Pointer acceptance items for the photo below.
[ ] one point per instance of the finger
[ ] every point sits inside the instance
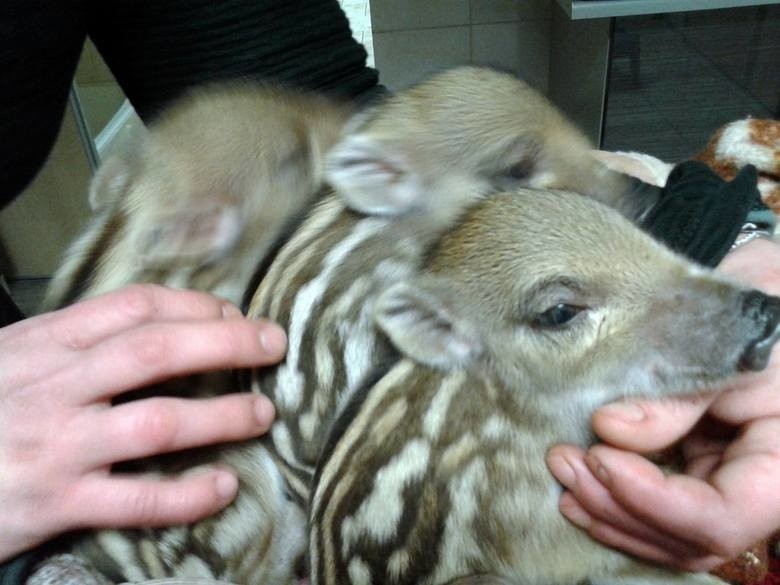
(703, 448)
(756, 263)
(708, 438)
(589, 505)
(154, 352)
(754, 395)
(756, 454)
(59, 336)
(82, 325)
(617, 539)
(161, 425)
(644, 426)
(111, 501)
(684, 506)
(736, 507)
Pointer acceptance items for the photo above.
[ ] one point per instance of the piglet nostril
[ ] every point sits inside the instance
(758, 305)
(764, 310)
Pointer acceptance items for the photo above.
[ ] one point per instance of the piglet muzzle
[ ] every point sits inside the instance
(764, 311)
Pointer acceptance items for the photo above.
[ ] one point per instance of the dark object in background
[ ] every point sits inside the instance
(9, 312)
(699, 214)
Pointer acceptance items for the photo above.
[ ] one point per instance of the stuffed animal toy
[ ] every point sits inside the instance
(748, 141)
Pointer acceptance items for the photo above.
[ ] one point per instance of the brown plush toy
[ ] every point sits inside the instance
(748, 141)
(749, 568)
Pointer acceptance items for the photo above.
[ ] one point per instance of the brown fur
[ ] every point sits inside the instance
(204, 194)
(440, 474)
(204, 160)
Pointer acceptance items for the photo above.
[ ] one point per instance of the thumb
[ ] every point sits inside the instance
(644, 426)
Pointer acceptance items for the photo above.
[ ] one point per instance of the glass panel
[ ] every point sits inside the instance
(676, 78)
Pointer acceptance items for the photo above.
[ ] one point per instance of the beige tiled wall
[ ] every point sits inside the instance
(491, 11)
(395, 15)
(413, 39)
(404, 57)
(39, 224)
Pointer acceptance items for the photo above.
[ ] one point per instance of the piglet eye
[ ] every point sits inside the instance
(520, 170)
(556, 316)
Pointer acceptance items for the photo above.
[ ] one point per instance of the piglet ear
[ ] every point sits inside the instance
(423, 323)
(373, 177)
(111, 182)
(118, 172)
(195, 234)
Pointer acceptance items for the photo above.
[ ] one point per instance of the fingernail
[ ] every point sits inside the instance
(597, 467)
(562, 470)
(575, 514)
(273, 339)
(227, 485)
(264, 411)
(626, 411)
(229, 310)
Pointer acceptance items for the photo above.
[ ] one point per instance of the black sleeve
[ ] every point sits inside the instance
(158, 48)
(40, 43)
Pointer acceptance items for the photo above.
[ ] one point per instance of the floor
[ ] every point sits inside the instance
(676, 78)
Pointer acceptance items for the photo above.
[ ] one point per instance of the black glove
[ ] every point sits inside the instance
(699, 214)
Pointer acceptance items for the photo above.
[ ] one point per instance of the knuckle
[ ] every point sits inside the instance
(143, 504)
(166, 502)
(24, 447)
(72, 336)
(140, 301)
(157, 425)
(151, 349)
(35, 443)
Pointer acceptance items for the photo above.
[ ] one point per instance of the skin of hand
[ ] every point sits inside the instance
(59, 433)
(726, 498)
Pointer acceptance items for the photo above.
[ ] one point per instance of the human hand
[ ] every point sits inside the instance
(59, 433)
(725, 499)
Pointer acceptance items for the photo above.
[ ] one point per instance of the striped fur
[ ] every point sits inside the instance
(491, 131)
(404, 173)
(322, 289)
(209, 191)
(440, 475)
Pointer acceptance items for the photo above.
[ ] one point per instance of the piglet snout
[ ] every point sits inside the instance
(764, 311)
